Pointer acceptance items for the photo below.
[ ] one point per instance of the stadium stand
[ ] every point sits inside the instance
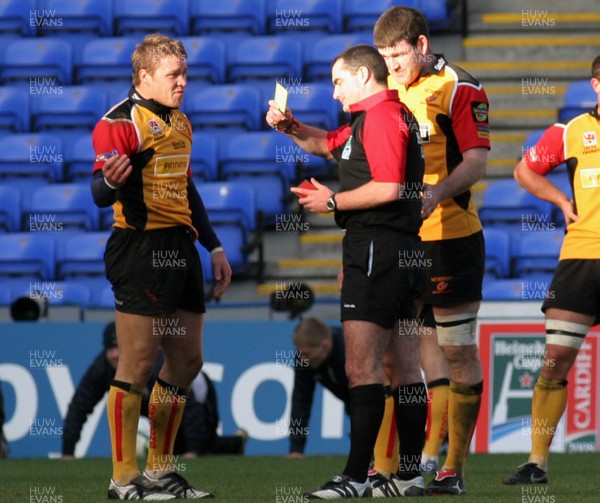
(268, 57)
(537, 255)
(206, 60)
(14, 109)
(106, 59)
(497, 253)
(361, 15)
(31, 155)
(66, 205)
(81, 254)
(91, 16)
(579, 98)
(208, 16)
(43, 63)
(314, 105)
(142, 17)
(317, 64)
(26, 256)
(308, 15)
(10, 209)
(15, 17)
(204, 157)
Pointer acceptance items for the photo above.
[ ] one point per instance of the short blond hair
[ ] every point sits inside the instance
(151, 50)
(311, 332)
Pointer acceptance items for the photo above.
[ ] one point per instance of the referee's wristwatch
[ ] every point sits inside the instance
(331, 205)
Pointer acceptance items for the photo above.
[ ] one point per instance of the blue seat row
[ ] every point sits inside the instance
(182, 17)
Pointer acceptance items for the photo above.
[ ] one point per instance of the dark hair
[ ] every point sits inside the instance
(109, 336)
(397, 24)
(365, 55)
(311, 332)
(596, 68)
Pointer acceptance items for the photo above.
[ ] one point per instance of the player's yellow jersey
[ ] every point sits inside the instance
(452, 110)
(578, 144)
(155, 195)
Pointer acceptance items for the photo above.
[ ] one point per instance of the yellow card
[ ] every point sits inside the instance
(281, 95)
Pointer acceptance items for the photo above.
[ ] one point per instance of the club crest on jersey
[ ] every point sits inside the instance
(589, 139)
(155, 126)
(347, 149)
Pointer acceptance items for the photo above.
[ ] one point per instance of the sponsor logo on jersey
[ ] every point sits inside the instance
(590, 178)
(479, 110)
(106, 156)
(589, 139)
(425, 132)
(170, 165)
(155, 126)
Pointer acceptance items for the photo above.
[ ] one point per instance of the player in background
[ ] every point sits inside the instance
(142, 169)
(574, 305)
(452, 110)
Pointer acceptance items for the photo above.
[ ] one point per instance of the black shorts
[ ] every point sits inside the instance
(454, 272)
(375, 287)
(155, 272)
(575, 287)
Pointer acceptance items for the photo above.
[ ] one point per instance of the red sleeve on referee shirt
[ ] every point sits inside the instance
(337, 139)
(385, 140)
(548, 152)
(110, 136)
(470, 117)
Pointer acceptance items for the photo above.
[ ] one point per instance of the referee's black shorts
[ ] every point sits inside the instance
(376, 286)
(155, 272)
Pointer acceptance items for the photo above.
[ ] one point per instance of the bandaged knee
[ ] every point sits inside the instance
(565, 333)
(456, 329)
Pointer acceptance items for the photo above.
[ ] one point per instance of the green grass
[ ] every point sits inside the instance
(278, 479)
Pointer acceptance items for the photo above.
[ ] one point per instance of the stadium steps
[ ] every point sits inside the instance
(507, 149)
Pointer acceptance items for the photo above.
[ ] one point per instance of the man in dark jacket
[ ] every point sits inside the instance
(321, 359)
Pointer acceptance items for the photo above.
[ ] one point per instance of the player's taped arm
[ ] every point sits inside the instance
(200, 221)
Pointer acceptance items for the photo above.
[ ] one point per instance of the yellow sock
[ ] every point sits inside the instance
(123, 411)
(463, 409)
(547, 407)
(386, 446)
(437, 417)
(165, 411)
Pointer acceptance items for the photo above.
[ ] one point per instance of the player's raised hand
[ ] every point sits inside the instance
(116, 170)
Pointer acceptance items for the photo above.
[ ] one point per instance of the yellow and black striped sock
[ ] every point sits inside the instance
(165, 411)
(123, 411)
(386, 446)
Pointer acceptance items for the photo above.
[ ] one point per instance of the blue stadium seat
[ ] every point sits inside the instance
(266, 161)
(105, 299)
(206, 59)
(497, 252)
(538, 253)
(230, 202)
(31, 155)
(314, 104)
(79, 160)
(16, 17)
(26, 255)
(25, 185)
(361, 15)
(69, 205)
(10, 209)
(151, 16)
(305, 15)
(560, 178)
(317, 64)
(106, 59)
(204, 157)
(226, 106)
(14, 109)
(513, 289)
(207, 270)
(82, 16)
(82, 254)
(506, 202)
(209, 16)
(579, 98)
(268, 57)
(78, 107)
(5, 296)
(64, 293)
(43, 63)
(439, 13)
